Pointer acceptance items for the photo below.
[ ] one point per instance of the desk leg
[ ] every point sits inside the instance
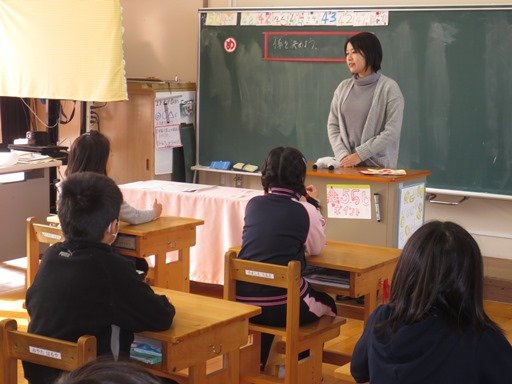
(173, 275)
(182, 269)
(197, 374)
(370, 303)
(232, 362)
(161, 273)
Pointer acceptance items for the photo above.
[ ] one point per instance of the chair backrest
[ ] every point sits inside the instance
(60, 354)
(38, 234)
(273, 275)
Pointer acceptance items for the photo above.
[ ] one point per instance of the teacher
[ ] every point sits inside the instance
(366, 112)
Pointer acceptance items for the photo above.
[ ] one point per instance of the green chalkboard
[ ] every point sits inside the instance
(454, 66)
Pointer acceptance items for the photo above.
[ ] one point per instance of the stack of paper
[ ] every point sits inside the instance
(146, 350)
(383, 171)
(329, 277)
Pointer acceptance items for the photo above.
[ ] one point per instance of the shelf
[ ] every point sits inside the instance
(203, 168)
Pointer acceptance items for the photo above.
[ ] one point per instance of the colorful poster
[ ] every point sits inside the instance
(167, 123)
(171, 109)
(309, 18)
(221, 18)
(348, 201)
(411, 211)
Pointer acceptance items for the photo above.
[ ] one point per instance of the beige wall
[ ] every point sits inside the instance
(161, 40)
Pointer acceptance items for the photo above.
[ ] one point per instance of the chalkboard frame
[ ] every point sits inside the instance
(468, 189)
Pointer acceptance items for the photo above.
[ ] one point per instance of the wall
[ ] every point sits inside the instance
(161, 40)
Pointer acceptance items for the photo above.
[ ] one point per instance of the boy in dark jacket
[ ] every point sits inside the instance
(82, 286)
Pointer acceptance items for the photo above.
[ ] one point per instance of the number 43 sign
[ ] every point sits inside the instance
(348, 201)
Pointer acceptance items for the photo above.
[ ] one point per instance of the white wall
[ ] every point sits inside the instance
(161, 40)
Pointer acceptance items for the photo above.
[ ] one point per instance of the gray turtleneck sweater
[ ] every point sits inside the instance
(366, 117)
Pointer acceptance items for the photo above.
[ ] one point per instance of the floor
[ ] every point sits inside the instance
(12, 292)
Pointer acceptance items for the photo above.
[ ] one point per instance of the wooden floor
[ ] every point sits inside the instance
(12, 293)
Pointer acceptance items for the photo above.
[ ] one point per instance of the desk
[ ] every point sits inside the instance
(203, 328)
(368, 266)
(401, 204)
(221, 208)
(158, 237)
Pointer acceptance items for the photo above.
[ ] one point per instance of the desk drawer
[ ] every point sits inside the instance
(205, 346)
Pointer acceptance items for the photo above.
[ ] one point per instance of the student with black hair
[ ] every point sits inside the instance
(82, 286)
(90, 153)
(109, 371)
(434, 329)
(283, 225)
(366, 113)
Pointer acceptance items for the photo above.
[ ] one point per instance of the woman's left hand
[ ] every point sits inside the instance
(351, 160)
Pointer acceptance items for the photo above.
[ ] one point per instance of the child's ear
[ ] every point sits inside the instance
(113, 227)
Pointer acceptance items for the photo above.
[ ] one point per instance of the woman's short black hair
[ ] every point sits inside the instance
(440, 268)
(368, 45)
(89, 153)
(284, 167)
(88, 203)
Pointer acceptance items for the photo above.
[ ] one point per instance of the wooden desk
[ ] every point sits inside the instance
(158, 237)
(203, 328)
(368, 265)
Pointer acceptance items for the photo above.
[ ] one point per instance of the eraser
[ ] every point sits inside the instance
(245, 167)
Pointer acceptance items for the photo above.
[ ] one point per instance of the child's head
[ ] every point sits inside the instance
(89, 153)
(107, 371)
(284, 167)
(440, 267)
(89, 204)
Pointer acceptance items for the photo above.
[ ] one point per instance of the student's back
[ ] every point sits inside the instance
(432, 352)
(82, 286)
(435, 329)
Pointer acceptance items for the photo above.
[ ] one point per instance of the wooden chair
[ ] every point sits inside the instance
(296, 338)
(37, 234)
(16, 345)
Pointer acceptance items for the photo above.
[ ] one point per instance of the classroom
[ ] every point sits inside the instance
(169, 60)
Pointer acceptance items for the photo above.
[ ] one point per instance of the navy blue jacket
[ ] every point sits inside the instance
(431, 352)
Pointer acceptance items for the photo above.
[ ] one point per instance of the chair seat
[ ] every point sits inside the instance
(343, 373)
(307, 331)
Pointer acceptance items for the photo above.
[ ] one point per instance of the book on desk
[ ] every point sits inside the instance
(327, 277)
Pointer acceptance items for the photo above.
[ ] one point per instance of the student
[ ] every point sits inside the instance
(108, 371)
(366, 112)
(434, 329)
(90, 152)
(82, 287)
(280, 227)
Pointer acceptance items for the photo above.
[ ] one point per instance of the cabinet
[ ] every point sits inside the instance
(400, 205)
(130, 127)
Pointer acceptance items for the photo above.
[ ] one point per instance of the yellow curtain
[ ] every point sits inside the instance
(62, 49)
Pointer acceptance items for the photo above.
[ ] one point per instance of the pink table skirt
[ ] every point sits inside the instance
(221, 208)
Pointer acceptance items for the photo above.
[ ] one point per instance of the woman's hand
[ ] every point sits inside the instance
(350, 160)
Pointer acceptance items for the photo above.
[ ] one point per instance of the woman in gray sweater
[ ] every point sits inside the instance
(366, 112)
